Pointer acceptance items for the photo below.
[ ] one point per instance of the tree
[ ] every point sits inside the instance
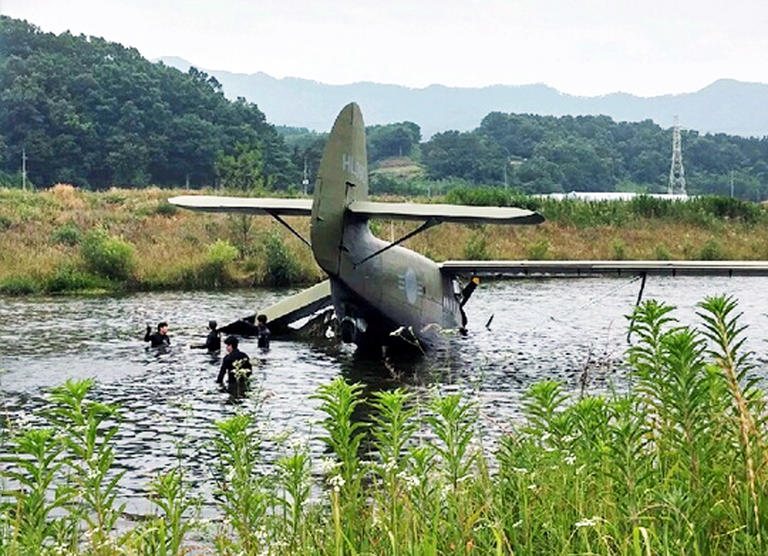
(243, 169)
(96, 113)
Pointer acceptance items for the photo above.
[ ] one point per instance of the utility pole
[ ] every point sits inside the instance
(23, 169)
(305, 179)
(731, 183)
(506, 163)
(676, 171)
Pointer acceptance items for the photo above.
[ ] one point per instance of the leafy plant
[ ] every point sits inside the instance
(282, 268)
(108, 256)
(476, 247)
(67, 234)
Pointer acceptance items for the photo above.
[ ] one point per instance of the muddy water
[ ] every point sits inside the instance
(559, 329)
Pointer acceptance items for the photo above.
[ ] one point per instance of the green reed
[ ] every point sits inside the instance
(673, 464)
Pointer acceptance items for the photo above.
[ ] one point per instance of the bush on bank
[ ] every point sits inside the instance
(675, 465)
(108, 256)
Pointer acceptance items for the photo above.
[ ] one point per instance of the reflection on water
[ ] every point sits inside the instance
(542, 329)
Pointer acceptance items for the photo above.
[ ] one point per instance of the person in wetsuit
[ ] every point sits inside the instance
(159, 338)
(237, 366)
(263, 334)
(212, 341)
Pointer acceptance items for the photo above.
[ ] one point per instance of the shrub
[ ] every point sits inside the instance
(728, 207)
(219, 255)
(619, 250)
(108, 256)
(662, 253)
(650, 207)
(68, 279)
(67, 234)
(712, 250)
(282, 267)
(538, 251)
(491, 196)
(19, 285)
(166, 209)
(5, 222)
(476, 248)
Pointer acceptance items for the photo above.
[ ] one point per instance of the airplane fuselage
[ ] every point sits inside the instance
(375, 292)
(398, 291)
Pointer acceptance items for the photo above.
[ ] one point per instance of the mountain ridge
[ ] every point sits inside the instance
(724, 106)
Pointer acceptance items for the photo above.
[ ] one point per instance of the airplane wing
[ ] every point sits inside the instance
(445, 213)
(246, 205)
(591, 268)
(286, 311)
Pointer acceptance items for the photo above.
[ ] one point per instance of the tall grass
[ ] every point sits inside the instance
(673, 465)
(64, 239)
(698, 211)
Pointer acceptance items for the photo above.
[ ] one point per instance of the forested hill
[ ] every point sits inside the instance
(94, 113)
(543, 154)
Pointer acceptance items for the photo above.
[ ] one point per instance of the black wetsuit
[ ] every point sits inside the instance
(212, 342)
(264, 336)
(157, 339)
(232, 361)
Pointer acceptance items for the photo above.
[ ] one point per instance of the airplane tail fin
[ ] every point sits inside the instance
(342, 179)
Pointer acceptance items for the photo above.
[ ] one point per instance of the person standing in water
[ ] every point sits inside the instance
(213, 341)
(263, 333)
(159, 338)
(237, 366)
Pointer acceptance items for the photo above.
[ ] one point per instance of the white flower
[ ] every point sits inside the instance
(533, 487)
(520, 470)
(588, 522)
(337, 481)
(328, 465)
(298, 443)
(410, 481)
(261, 535)
(570, 460)
(517, 523)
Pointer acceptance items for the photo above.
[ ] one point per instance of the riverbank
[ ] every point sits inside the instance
(68, 240)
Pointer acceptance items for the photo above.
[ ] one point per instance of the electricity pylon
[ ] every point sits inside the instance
(676, 170)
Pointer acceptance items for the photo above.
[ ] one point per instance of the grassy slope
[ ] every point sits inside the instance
(171, 245)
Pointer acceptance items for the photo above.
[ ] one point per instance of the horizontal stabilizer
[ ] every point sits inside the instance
(246, 205)
(286, 311)
(591, 268)
(462, 214)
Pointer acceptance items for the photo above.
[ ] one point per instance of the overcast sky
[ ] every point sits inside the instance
(587, 47)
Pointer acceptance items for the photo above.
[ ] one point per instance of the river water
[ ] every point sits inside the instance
(560, 329)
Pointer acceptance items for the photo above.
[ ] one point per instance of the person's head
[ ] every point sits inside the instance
(231, 343)
(212, 324)
(162, 328)
(262, 319)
